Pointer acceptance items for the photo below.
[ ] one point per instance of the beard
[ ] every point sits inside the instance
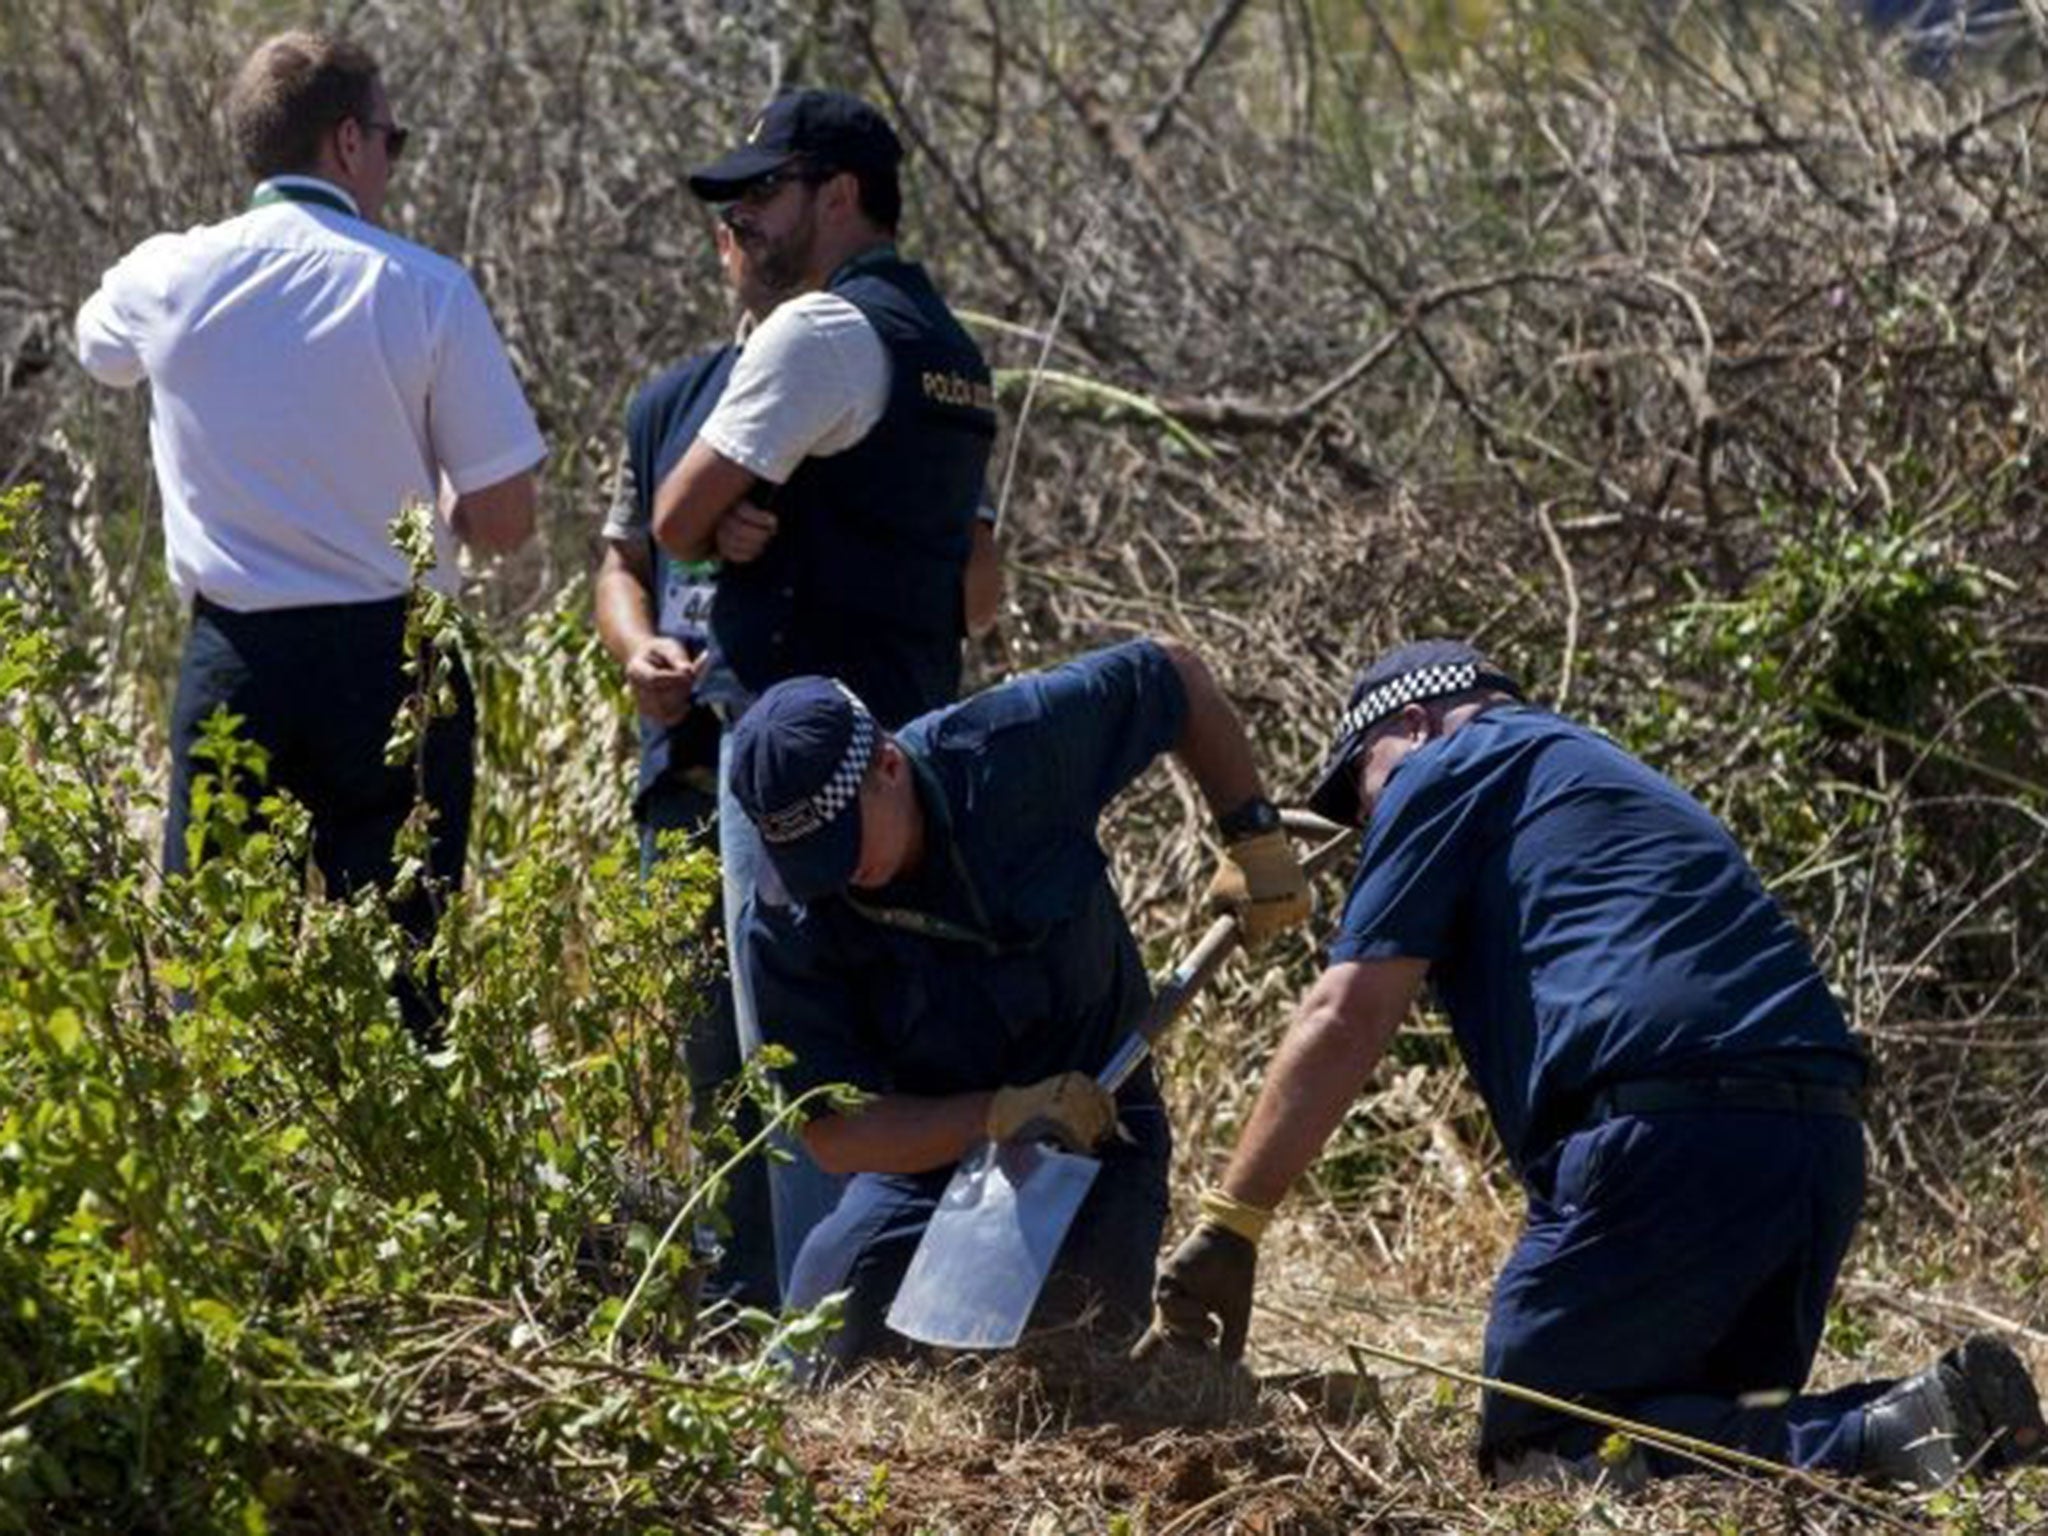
(781, 263)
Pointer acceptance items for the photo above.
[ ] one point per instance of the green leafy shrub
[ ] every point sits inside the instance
(263, 1262)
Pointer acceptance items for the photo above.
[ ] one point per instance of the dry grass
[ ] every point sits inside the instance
(1321, 1441)
(1677, 353)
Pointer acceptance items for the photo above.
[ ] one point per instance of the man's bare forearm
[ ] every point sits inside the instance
(899, 1133)
(1212, 743)
(624, 600)
(497, 519)
(981, 586)
(1339, 1034)
(693, 496)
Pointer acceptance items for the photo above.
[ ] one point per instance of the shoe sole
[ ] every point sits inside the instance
(2004, 1404)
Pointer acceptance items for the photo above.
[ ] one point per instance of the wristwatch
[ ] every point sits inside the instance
(1256, 815)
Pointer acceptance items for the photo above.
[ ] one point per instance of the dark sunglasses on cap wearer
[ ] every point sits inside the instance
(758, 192)
(394, 136)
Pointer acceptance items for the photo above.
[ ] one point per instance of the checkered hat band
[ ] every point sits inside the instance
(839, 791)
(1409, 688)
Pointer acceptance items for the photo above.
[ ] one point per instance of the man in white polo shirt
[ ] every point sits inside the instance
(310, 376)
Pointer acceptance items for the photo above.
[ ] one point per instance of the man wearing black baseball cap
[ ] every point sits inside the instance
(958, 952)
(1664, 1065)
(823, 128)
(839, 476)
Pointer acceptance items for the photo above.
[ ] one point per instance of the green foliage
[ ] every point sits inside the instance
(1861, 634)
(261, 1257)
(1615, 1449)
(1874, 621)
(1859, 713)
(1848, 1332)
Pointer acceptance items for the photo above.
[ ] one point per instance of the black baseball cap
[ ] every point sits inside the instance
(798, 758)
(1408, 674)
(833, 129)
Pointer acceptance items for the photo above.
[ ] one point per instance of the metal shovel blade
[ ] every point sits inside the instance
(990, 1245)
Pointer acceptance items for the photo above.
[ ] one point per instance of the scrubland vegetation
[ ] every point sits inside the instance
(1685, 356)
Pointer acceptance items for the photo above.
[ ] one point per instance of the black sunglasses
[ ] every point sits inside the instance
(394, 137)
(762, 188)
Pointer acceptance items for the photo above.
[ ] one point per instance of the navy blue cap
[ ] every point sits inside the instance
(831, 129)
(1408, 674)
(798, 758)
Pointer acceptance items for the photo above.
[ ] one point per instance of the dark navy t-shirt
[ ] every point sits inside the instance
(1586, 922)
(1031, 969)
(661, 424)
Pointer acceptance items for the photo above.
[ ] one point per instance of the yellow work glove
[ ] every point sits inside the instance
(1071, 1109)
(1261, 880)
(1203, 1296)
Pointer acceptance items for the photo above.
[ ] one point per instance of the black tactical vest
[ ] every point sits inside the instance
(862, 579)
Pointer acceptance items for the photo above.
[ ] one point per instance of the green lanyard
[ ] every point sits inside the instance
(928, 924)
(295, 192)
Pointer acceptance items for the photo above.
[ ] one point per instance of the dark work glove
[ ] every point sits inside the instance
(1203, 1296)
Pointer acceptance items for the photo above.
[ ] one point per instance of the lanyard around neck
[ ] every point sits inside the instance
(939, 826)
(300, 192)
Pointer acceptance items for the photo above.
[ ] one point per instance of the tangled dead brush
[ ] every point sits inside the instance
(1684, 356)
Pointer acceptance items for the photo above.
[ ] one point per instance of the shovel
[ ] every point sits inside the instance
(991, 1243)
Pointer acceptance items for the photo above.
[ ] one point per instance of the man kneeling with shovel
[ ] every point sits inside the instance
(954, 949)
(1666, 1069)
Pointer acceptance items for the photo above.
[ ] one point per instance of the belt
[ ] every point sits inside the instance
(1769, 1095)
(382, 609)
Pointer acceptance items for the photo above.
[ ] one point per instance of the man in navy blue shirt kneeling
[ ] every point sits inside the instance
(1668, 1073)
(955, 950)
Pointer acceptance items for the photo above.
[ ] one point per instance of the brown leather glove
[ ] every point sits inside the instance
(1261, 880)
(1070, 1108)
(1203, 1296)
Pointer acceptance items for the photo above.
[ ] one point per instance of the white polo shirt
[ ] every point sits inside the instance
(310, 374)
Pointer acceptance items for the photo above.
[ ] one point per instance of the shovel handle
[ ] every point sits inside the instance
(1192, 974)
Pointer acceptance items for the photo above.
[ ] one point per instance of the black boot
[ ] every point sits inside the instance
(1974, 1410)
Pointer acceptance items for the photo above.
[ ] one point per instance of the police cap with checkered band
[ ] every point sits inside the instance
(798, 758)
(1409, 674)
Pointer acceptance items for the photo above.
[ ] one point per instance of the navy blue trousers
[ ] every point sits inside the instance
(317, 689)
(1105, 1264)
(1675, 1269)
(711, 1054)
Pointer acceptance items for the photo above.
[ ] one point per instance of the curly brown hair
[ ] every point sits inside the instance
(291, 92)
